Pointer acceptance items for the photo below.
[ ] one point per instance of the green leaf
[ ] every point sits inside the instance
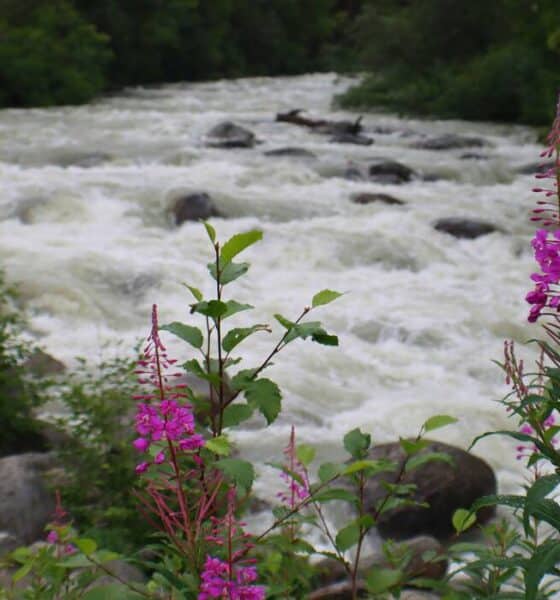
(240, 471)
(213, 308)
(232, 307)
(381, 580)
(22, 571)
(334, 494)
(219, 445)
(498, 499)
(75, 561)
(411, 447)
(416, 461)
(536, 494)
(210, 231)
(194, 367)
(371, 466)
(283, 321)
(325, 339)
(544, 560)
(349, 536)
(234, 414)
(324, 297)
(264, 395)
(195, 292)
(191, 335)
(236, 336)
(85, 545)
(438, 421)
(237, 244)
(463, 519)
(328, 471)
(357, 443)
(103, 556)
(305, 454)
(230, 272)
(111, 591)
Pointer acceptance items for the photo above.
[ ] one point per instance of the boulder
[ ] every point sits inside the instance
(351, 138)
(230, 135)
(443, 486)
(369, 198)
(473, 156)
(41, 364)
(465, 228)
(390, 171)
(26, 505)
(534, 168)
(192, 207)
(84, 160)
(450, 141)
(290, 151)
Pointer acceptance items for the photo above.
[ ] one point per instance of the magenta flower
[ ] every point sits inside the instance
(219, 580)
(295, 476)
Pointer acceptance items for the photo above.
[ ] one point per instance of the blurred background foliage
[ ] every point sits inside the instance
(471, 59)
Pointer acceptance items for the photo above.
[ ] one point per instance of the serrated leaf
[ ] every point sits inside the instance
(230, 272)
(324, 297)
(463, 519)
(195, 292)
(240, 471)
(236, 336)
(347, 537)
(234, 414)
(380, 580)
(305, 454)
(237, 244)
(264, 395)
(191, 335)
(412, 447)
(194, 367)
(438, 421)
(232, 307)
(210, 231)
(416, 461)
(372, 466)
(357, 443)
(85, 545)
(219, 445)
(328, 471)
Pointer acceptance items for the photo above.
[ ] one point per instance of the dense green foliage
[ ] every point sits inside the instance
(472, 59)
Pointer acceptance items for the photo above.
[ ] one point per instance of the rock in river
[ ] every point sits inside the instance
(193, 207)
(465, 228)
(230, 135)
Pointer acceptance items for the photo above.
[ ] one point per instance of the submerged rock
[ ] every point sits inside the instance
(193, 207)
(41, 364)
(465, 228)
(369, 198)
(450, 141)
(390, 171)
(290, 151)
(442, 485)
(230, 135)
(351, 138)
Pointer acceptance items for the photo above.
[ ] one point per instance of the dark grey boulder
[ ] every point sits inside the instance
(41, 364)
(465, 228)
(444, 487)
(193, 207)
(370, 198)
(534, 168)
(390, 171)
(84, 160)
(351, 138)
(230, 135)
(473, 156)
(339, 127)
(290, 151)
(26, 504)
(450, 141)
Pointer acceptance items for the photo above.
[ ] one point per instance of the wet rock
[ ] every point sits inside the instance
(193, 207)
(465, 228)
(85, 160)
(473, 156)
(450, 141)
(26, 505)
(230, 135)
(8, 542)
(443, 486)
(41, 364)
(351, 138)
(353, 172)
(291, 151)
(390, 171)
(369, 198)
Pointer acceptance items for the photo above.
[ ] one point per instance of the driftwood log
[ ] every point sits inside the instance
(321, 125)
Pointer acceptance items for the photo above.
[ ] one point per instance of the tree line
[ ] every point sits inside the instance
(471, 59)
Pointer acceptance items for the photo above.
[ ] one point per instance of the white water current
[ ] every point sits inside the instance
(85, 236)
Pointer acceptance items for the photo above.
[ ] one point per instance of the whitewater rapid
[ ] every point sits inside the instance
(86, 237)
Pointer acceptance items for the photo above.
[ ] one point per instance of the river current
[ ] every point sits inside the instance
(85, 236)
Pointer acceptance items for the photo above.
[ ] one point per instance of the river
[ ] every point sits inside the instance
(85, 235)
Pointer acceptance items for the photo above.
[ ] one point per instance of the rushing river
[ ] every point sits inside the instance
(85, 235)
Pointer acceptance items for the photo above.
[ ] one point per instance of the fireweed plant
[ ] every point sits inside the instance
(193, 488)
(524, 564)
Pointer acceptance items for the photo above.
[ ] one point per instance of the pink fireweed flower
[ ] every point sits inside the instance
(546, 293)
(161, 417)
(220, 580)
(525, 451)
(295, 476)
